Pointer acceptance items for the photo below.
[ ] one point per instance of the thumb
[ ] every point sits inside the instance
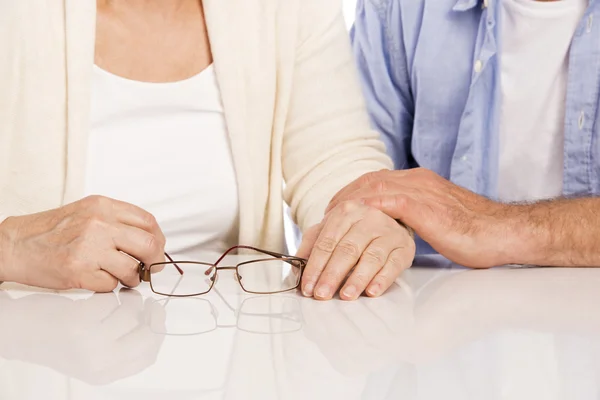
(308, 241)
(396, 206)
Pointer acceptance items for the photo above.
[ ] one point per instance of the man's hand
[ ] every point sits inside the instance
(357, 239)
(88, 244)
(461, 225)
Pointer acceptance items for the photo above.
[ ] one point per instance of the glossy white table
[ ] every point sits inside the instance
(442, 333)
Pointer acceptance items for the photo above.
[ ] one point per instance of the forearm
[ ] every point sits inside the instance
(562, 232)
(328, 141)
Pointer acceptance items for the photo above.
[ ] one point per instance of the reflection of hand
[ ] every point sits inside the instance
(357, 240)
(452, 310)
(97, 340)
(470, 305)
(358, 337)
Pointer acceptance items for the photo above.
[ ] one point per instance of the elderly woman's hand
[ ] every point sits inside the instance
(358, 245)
(88, 244)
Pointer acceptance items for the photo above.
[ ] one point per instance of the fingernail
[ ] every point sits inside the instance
(323, 292)
(374, 290)
(308, 290)
(349, 292)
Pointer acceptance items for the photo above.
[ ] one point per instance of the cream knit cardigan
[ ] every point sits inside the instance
(290, 92)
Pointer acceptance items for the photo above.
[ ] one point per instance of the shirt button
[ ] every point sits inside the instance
(581, 120)
(464, 158)
(478, 66)
(590, 23)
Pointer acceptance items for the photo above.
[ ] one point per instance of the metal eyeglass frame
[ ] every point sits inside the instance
(146, 275)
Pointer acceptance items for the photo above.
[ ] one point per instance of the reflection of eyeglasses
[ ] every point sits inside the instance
(276, 274)
(195, 316)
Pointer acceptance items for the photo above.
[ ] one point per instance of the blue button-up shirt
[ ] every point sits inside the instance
(430, 73)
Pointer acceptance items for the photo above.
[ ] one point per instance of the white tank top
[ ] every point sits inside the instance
(536, 37)
(165, 147)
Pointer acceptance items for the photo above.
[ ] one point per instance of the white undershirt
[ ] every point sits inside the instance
(536, 37)
(165, 147)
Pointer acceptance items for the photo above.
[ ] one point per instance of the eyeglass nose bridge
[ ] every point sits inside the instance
(237, 277)
(217, 268)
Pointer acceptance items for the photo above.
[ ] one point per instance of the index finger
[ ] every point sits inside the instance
(343, 192)
(334, 229)
(133, 215)
(341, 196)
(364, 184)
(308, 241)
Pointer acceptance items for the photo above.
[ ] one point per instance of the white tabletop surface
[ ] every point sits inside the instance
(441, 333)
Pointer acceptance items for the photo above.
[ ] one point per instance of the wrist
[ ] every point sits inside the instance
(5, 249)
(410, 230)
(524, 239)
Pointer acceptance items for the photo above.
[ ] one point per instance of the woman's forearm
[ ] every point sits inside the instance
(328, 141)
(4, 246)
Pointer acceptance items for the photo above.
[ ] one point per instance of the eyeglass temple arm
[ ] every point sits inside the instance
(145, 272)
(174, 263)
(270, 253)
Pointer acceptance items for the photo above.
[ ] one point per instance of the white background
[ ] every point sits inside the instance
(349, 6)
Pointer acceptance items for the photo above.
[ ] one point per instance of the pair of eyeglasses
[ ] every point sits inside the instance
(257, 274)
